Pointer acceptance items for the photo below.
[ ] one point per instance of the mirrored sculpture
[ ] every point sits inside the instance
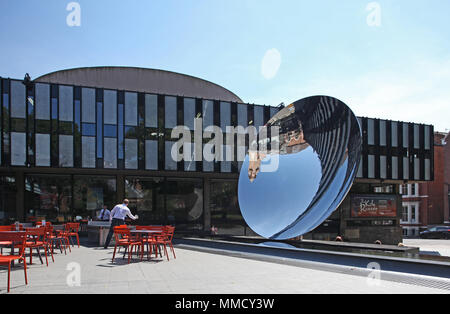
(300, 167)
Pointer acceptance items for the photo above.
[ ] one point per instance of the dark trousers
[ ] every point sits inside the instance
(115, 222)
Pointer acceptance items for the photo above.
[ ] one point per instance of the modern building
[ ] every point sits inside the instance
(426, 204)
(76, 139)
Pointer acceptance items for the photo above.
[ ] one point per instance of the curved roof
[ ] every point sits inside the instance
(140, 80)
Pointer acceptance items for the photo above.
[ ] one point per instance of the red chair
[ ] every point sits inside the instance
(72, 231)
(151, 240)
(37, 239)
(18, 239)
(57, 237)
(6, 243)
(123, 238)
(166, 239)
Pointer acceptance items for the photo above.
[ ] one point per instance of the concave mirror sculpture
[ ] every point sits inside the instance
(305, 171)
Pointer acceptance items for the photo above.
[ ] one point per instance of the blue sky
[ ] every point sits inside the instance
(398, 69)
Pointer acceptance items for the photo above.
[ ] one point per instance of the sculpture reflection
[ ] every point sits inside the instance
(318, 149)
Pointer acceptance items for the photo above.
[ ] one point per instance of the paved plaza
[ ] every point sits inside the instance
(430, 246)
(191, 272)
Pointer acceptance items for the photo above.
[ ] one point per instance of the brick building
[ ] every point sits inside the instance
(427, 203)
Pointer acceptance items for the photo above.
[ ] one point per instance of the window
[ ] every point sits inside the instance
(170, 163)
(208, 113)
(413, 189)
(42, 101)
(259, 117)
(189, 113)
(131, 150)
(405, 213)
(8, 194)
(66, 151)
(383, 170)
(184, 200)
(151, 111)
(88, 105)
(110, 107)
(225, 213)
(146, 196)
(131, 111)
(394, 136)
(405, 135)
(88, 152)
(225, 115)
(91, 193)
(170, 112)
(382, 133)
(48, 197)
(43, 150)
(110, 156)
(18, 107)
(151, 155)
(65, 103)
(18, 149)
(242, 115)
(370, 132)
(416, 136)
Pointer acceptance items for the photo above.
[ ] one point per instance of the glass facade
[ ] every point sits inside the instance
(70, 149)
(48, 197)
(8, 193)
(225, 213)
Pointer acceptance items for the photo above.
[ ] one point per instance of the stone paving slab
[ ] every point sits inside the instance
(191, 272)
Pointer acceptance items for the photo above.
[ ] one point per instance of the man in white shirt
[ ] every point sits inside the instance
(117, 218)
(105, 214)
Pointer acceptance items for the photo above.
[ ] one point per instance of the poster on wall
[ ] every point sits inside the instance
(374, 206)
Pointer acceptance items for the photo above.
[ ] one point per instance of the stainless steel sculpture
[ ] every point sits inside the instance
(319, 149)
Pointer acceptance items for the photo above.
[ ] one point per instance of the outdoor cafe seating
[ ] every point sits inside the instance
(45, 236)
(152, 237)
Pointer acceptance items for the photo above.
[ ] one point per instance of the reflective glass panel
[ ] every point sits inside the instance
(91, 193)
(151, 111)
(42, 101)
(189, 113)
(43, 150)
(146, 196)
(383, 133)
(110, 156)
(131, 109)
(184, 199)
(66, 151)
(151, 155)
(48, 197)
(18, 107)
(88, 152)
(110, 106)
(65, 103)
(258, 116)
(8, 195)
(226, 216)
(208, 113)
(170, 163)
(131, 150)
(18, 149)
(88, 105)
(225, 115)
(170, 112)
